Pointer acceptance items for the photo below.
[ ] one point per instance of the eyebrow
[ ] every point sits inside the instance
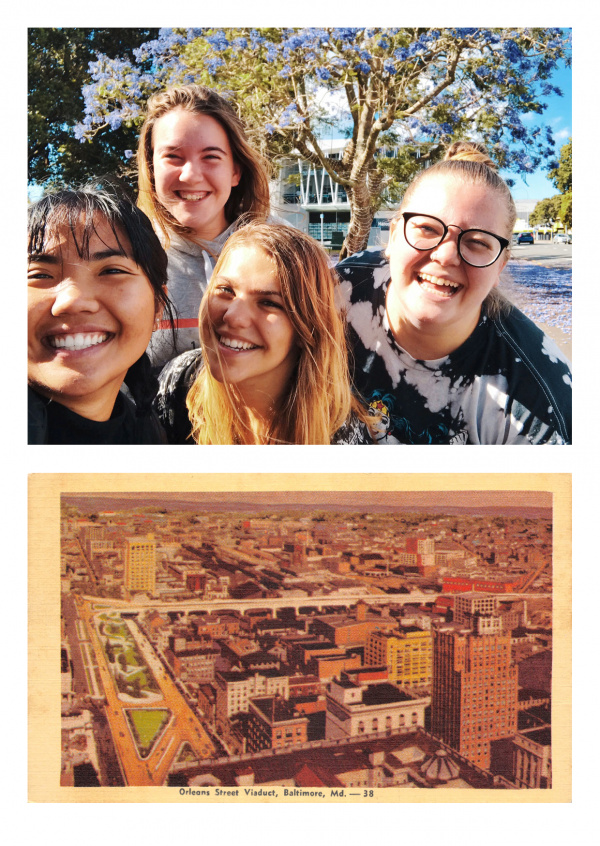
(266, 292)
(165, 148)
(259, 292)
(100, 255)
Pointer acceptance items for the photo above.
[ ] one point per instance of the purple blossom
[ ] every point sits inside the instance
(362, 67)
(344, 34)
(323, 74)
(290, 115)
(294, 43)
(256, 39)
(114, 120)
(213, 63)
(465, 31)
(218, 41)
(271, 53)
(512, 51)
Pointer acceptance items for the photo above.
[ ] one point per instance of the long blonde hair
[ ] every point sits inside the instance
(319, 398)
(250, 197)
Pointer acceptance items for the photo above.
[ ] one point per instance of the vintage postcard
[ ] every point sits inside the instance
(359, 638)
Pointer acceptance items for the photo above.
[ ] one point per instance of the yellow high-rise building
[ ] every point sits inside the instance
(140, 564)
(407, 653)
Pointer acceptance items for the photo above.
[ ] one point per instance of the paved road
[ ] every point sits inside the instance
(183, 727)
(545, 253)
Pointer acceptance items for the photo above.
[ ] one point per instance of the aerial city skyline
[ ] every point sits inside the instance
(317, 643)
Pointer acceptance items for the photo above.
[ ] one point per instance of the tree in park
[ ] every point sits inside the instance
(560, 206)
(413, 90)
(562, 176)
(546, 211)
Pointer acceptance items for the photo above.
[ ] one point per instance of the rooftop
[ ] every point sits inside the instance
(326, 763)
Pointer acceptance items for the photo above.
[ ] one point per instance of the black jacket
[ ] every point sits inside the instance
(49, 422)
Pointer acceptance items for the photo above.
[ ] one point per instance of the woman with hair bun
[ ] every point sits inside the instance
(456, 362)
(273, 366)
(197, 176)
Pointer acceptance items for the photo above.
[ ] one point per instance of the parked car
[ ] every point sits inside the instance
(525, 238)
(561, 238)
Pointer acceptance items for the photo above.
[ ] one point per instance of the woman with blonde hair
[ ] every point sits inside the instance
(197, 176)
(455, 361)
(273, 365)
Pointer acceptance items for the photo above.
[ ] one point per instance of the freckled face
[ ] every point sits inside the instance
(89, 320)
(194, 170)
(257, 344)
(437, 290)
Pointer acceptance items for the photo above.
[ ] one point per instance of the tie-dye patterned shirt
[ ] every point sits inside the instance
(507, 384)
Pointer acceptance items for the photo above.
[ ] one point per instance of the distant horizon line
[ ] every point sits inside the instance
(358, 500)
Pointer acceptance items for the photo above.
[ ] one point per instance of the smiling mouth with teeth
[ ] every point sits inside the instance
(192, 197)
(78, 341)
(233, 344)
(442, 286)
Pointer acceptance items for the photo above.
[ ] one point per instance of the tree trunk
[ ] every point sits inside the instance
(362, 212)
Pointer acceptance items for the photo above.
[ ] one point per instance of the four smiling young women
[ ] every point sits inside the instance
(250, 320)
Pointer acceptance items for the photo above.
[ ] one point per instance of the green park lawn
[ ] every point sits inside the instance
(147, 724)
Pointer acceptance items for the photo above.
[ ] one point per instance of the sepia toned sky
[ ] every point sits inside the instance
(342, 499)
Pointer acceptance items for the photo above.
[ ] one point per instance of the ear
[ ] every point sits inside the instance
(502, 262)
(393, 235)
(236, 175)
(159, 307)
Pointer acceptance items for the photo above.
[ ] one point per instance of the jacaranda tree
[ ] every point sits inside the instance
(57, 67)
(405, 89)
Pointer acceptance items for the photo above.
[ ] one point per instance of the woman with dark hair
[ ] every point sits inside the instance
(429, 329)
(96, 287)
(197, 176)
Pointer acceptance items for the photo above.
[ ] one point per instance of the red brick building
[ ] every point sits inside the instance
(474, 693)
(274, 723)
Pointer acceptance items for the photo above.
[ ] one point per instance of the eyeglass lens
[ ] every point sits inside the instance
(476, 247)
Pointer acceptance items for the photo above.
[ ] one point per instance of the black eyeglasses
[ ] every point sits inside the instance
(475, 246)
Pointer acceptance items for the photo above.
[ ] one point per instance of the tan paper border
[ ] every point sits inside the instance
(44, 620)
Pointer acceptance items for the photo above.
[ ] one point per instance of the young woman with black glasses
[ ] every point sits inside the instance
(435, 345)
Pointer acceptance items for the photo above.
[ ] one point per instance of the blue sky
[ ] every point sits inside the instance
(558, 116)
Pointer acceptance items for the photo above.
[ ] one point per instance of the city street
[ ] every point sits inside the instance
(543, 252)
(184, 727)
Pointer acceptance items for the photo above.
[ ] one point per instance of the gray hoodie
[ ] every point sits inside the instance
(189, 271)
